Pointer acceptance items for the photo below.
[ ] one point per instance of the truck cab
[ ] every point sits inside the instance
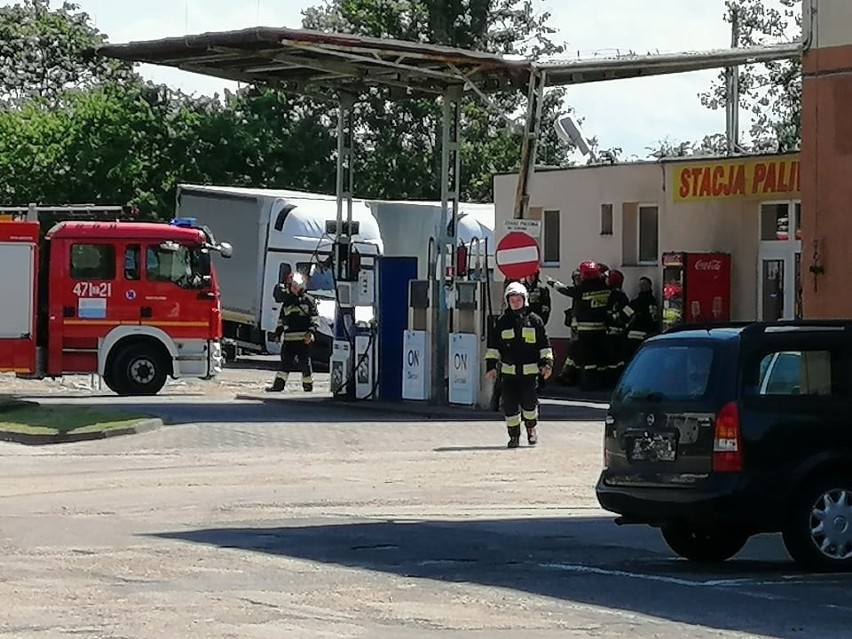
(135, 302)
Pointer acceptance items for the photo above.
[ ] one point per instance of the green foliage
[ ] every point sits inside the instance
(44, 52)
(771, 92)
(403, 136)
(80, 129)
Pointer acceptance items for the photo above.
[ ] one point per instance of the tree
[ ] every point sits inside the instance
(399, 148)
(43, 52)
(771, 92)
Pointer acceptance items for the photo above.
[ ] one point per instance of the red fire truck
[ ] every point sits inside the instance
(134, 302)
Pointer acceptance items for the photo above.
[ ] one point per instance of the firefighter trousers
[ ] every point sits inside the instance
(592, 358)
(520, 403)
(296, 357)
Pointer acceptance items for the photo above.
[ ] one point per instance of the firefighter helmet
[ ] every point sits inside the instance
(615, 279)
(516, 288)
(296, 281)
(589, 270)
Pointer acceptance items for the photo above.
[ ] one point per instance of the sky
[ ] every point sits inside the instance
(630, 114)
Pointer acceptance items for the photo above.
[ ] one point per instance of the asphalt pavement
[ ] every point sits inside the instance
(298, 517)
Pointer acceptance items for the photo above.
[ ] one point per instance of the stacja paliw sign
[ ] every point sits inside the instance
(766, 178)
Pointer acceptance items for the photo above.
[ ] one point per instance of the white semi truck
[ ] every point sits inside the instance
(274, 232)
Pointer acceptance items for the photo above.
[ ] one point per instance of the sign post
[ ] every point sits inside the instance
(518, 255)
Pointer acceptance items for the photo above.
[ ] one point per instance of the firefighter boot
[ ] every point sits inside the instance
(532, 435)
(514, 436)
(279, 384)
(307, 384)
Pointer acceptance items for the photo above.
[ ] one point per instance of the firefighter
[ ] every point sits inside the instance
(616, 324)
(569, 375)
(591, 312)
(518, 345)
(539, 296)
(298, 323)
(645, 318)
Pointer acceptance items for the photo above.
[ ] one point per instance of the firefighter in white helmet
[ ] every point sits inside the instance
(298, 323)
(518, 344)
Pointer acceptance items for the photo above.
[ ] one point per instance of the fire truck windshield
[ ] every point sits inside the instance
(186, 266)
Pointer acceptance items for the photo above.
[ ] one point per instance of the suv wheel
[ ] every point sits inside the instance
(703, 545)
(818, 534)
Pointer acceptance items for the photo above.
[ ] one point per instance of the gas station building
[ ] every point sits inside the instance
(629, 215)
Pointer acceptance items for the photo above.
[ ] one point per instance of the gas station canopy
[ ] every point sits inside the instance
(306, 61)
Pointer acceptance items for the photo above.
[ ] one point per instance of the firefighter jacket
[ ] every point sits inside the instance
(570, 314)
(539, 301)
(591, 309)
(645, 320)
(518, 343)
(618, 312)
(299, 315)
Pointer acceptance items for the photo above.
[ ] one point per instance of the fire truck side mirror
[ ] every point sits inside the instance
(226, 250)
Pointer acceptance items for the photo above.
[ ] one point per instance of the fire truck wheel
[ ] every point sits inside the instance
(140, 370)
(110, 381)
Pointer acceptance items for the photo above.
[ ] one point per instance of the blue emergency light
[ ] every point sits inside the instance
(185, 222)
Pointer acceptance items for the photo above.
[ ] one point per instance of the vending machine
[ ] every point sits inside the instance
(696, 288)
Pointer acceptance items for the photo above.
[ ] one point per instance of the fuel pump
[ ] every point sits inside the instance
(353, 360)
(470, 320)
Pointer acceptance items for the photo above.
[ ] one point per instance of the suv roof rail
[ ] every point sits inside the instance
(706, 326)
(762, 327)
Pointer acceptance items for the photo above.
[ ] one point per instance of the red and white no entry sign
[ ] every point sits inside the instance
(517, 255)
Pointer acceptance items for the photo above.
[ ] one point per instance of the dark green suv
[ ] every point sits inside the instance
(718, 433)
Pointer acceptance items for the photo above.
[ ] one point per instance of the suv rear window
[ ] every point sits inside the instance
(667, 372)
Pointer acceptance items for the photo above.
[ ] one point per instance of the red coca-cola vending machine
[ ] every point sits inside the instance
(696, 288)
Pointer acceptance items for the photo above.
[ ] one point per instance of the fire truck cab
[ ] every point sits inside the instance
(134, 302)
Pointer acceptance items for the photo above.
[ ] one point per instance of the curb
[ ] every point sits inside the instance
(28, 439)
(421, 411)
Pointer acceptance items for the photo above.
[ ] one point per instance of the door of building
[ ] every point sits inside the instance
(779, 284)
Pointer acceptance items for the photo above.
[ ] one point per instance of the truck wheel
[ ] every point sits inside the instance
(140, 370)
(110, 380)
(703, 545)
(818, 535)
(229, 352)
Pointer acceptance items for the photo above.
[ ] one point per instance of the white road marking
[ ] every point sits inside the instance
(713, 583)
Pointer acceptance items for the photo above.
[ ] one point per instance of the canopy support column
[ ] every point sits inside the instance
(450, 184)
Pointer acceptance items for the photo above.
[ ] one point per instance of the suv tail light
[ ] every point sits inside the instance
(727, 441)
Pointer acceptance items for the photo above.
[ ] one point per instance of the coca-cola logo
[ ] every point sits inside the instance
(708, 265)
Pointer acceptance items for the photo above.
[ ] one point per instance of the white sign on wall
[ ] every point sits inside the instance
(464, 368)
(530, 227)
(415, 366)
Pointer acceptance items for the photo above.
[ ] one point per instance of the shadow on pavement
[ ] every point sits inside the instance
(584, 560)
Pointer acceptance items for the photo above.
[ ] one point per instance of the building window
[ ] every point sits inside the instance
(649, 240)
(550, 230)
(93, 262)
(606, 219)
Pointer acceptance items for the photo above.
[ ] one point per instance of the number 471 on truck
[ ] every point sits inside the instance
(135, 302)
